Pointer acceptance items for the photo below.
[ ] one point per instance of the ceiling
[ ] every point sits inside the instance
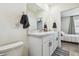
(64, 6)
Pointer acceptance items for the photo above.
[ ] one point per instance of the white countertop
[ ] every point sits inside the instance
(41, 33)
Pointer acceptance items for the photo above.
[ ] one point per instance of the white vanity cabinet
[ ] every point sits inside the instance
(46, 49)
(53, 42)
(42, 44)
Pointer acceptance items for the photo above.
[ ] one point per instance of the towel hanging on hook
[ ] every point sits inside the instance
(24, 20)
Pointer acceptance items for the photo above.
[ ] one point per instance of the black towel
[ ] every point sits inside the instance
(24, 21)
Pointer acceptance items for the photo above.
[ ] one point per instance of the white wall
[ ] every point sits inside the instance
(56, 16)
(47, 16)
(53, 13)
(10, 14)
(32, 20)
(57, 8)
(33, 16)
(71, 12)
(61, 7)
(65, 24)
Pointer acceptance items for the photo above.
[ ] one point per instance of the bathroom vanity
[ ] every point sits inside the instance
(42, 43)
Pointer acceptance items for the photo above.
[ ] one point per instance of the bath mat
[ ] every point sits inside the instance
(60, 52)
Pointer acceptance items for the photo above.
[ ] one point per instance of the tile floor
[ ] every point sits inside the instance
(71, 47)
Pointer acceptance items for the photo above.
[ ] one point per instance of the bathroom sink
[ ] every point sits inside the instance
(41, 33)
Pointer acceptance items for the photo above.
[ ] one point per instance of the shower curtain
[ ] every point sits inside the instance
(71, 29)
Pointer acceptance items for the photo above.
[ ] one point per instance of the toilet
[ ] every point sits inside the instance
(13, 49)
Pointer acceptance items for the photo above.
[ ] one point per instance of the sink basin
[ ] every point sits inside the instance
(41, 33)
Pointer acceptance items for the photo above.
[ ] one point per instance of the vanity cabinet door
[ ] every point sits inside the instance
(46, 49)
(51, 44)
(55, 42)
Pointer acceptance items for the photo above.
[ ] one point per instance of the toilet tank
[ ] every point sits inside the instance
(13, 49)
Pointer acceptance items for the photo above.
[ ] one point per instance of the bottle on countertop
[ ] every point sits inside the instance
(45, 27)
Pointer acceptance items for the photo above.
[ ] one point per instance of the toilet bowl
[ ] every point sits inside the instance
(13, 49)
